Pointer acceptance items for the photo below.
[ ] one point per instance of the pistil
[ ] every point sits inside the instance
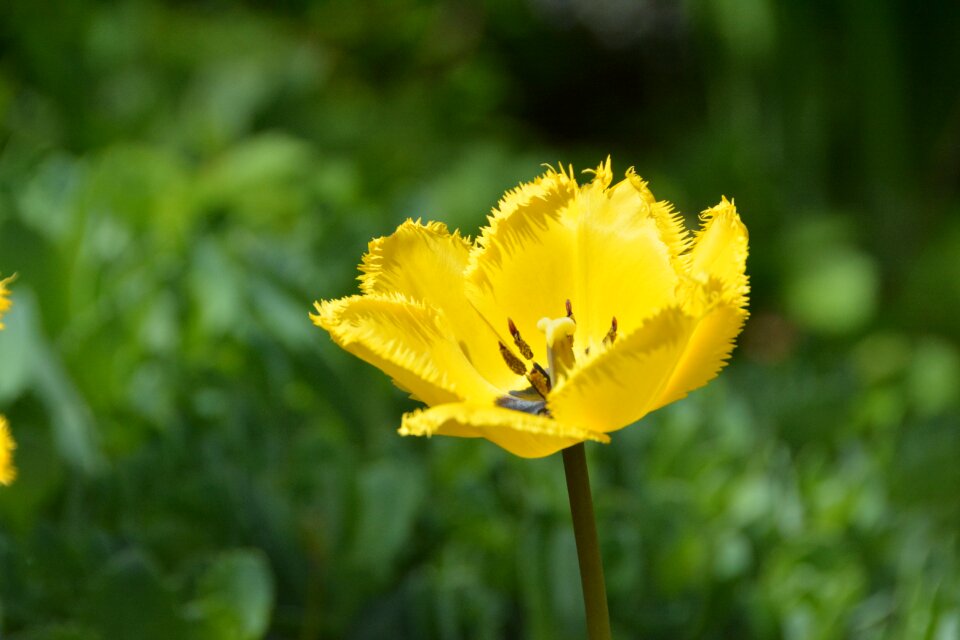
(559, 334)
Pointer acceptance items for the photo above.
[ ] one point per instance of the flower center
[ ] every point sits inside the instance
(559, 334)
(561, 360)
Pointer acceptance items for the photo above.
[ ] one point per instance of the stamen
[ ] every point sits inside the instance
(516, 364)
(560, 359)
(612, 333)
(540, 380)
(536, 407)
(525, 349)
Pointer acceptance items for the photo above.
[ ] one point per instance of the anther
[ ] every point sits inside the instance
(612, 333)
(525, 349)
(516, 364)
(539, 380)
(570, 311)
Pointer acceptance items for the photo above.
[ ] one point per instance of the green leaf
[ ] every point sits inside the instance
(390, 494)
(236, 596)
(835, 293)
(128, 600)
(34, 363)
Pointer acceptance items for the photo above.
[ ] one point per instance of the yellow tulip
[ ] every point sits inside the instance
(578, 310)
(7, 471)
(7, 445)
(5, 303)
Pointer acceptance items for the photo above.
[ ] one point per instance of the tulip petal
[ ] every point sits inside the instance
(522, 434)
(619, 385)
(425, 263)
(613, 252)
(8, 472)
(673, 230)
(717, 269)
(706, 352)
(720, 249)
(625, 268)
(409, 341)
(524, 261)
(5, 303)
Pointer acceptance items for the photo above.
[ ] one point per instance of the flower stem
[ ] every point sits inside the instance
(588, 549)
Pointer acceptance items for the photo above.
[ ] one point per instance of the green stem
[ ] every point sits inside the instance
(588, 549)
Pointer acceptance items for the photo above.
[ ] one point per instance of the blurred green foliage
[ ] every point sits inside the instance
(178, 181)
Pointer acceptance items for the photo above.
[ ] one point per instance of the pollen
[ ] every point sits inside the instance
(612, 333)
(540, 380)
(513, 362)
(524, 348)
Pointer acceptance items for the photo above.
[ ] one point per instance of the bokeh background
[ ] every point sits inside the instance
(180, 180)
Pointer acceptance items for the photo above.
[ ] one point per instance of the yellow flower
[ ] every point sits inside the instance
(7, 445)
(7, 471)
(578, 310)
(5, 303)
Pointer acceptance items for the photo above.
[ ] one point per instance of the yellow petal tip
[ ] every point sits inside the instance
(8, 472)
(522, 434)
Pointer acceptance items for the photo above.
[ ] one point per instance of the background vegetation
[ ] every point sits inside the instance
(179, 181)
